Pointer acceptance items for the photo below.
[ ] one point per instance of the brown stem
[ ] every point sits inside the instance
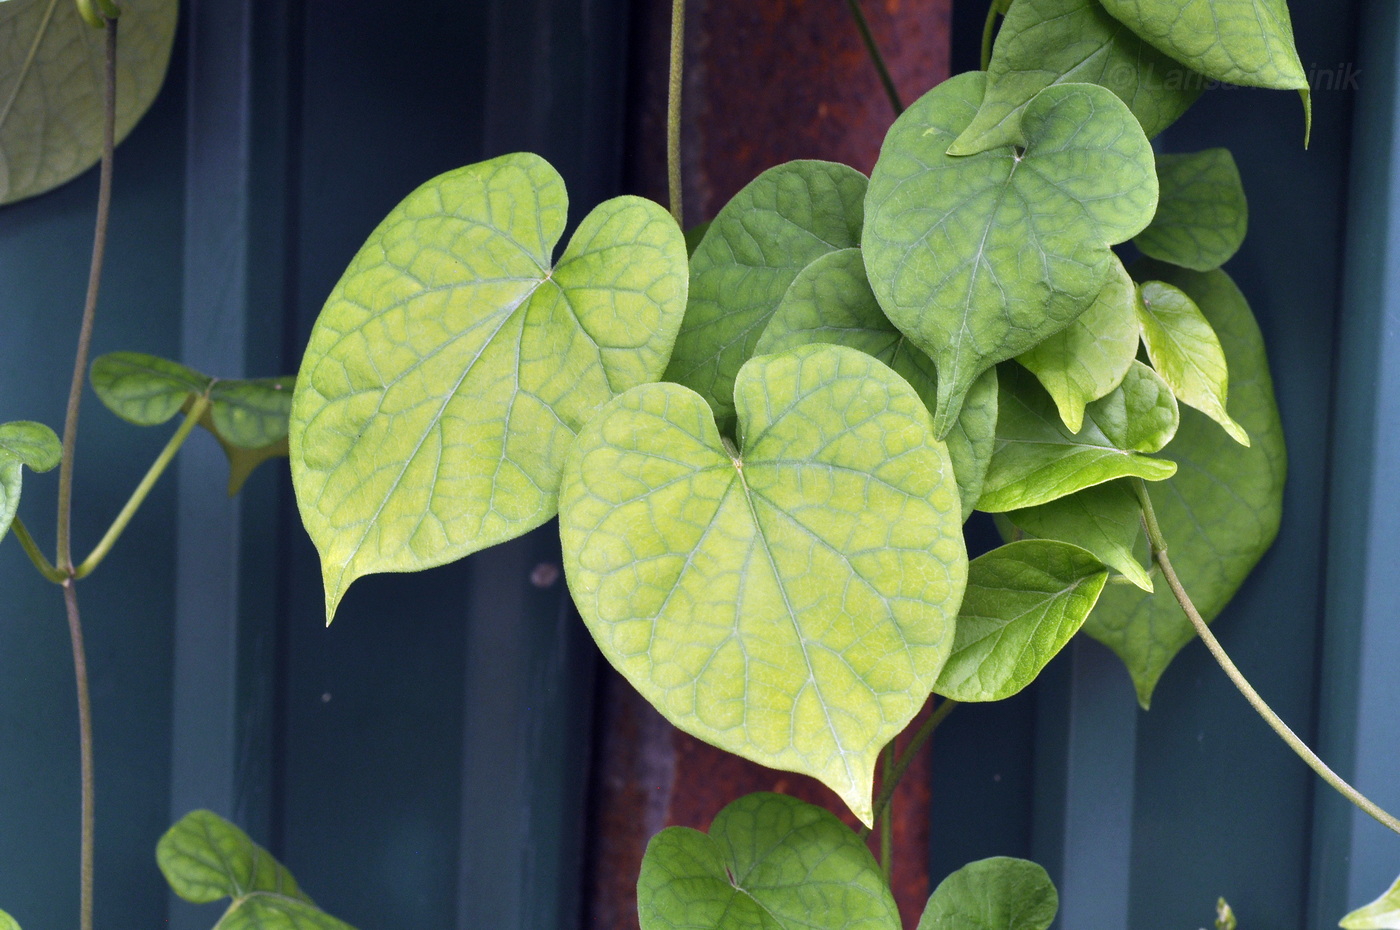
(80, 672)
(906, 759)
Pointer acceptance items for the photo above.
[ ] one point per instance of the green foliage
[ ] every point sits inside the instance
(831, 301)
(51, 87)
(993, 894)
(453, 364)
(1224, 503)
(781, 222)
(1203, 215)
(769, 862)
(1381, 914)
(1045, 42)
(791, 600)
(1037, 458)
(1023, 603)
(248, 417)
(205, 858)
(946, 237)
(23, 444)
(1105, 519)
(7, 922)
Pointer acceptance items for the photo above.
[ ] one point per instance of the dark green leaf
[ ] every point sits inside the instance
(1037, 458)
(1045, 42)
(830, 301)
(1024, 601)
(1202, 216)
(769, 862)
(1221, 510)
(1105, 519)
(785, 219)
(993, 894)
(977, 259)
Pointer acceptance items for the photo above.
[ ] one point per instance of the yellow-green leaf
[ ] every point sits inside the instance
(1381, 914)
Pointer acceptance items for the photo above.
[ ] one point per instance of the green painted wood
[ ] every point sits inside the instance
(1354, 858)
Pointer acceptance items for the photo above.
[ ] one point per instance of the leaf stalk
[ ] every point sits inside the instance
(1159, 554)
(876, 58)
(673, 111)
(36, 555)
(906, 759)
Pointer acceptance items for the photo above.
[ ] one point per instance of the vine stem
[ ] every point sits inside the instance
(988, 32)
(906, 759)
(673, 110)
(877, 59)
(138, 496)
(89, 819)
(1159, 553)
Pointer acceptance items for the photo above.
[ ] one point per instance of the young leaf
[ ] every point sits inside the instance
(1037, 459)
(1105, 519)
(830, 301)
(993, 894)
(51, 93)
(1141, 414)
(769, 862)
(144, 389)
(1045, 42)
(23, 444)
(1023, 603)
(1088, 358)
(791, 602)
(1225, 501)
(1186, 352)
(1203, 215)
(977, 259)
(783, 220)
(1238, 41)
(1381, 914)
(452, 365)
(205, 858)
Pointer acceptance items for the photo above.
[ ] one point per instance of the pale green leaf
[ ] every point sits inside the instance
(7, 922)
(976, 259)
(1024, 601)
(452, 365)
(1239, 41)
(1381, 914)
(1088, 358)
(1140, 415)
(993, 894)
(791, 602)
(1037, 458)
(1186, 352)
(23, 444)
(830, 301)
(783, 220)
(1105, 519)
(1045, 42)
(769, 862)
(205, 858)
(144, 389)
(1221, 511)
(1202, 216)
(51, 91)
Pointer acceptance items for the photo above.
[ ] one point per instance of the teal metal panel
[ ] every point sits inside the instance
(1354, 858)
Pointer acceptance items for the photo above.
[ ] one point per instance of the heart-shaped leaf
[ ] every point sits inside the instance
(769, 862)
(783, 220)
(1202, 216)
(993, 894)
(1105, 519)
(1186, 352)
(830, 301)
(1381, 914)
(1089, 358)
(51, 65)
(1224, 503)
(1024, 601)
(247, 417)
(1045, 42)
(792, 602)
(23, 444)
(452, 365)
(977, 259)
(1238, 41)
(205, 858)
(1037, 458)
